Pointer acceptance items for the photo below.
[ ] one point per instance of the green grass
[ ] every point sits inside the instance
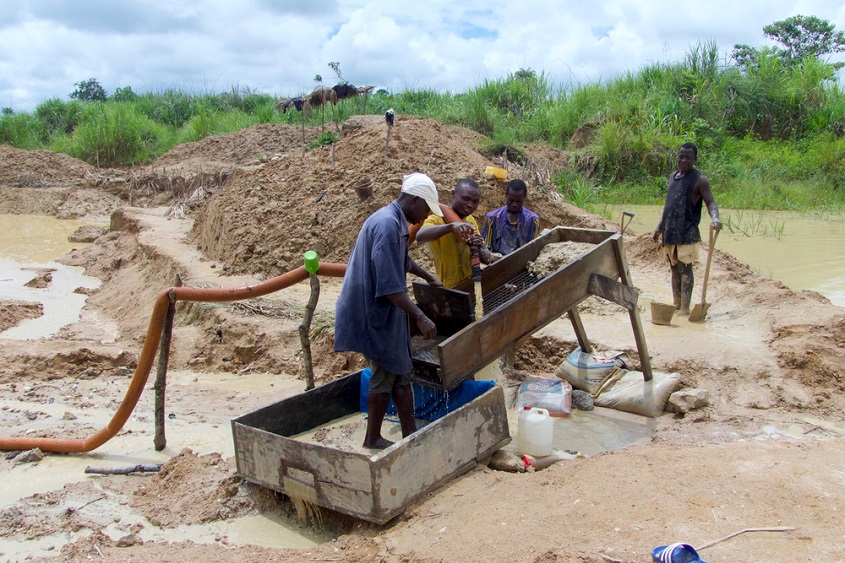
(769, 137)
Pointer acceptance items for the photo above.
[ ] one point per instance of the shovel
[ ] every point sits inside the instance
(699, 310)
(622, 224)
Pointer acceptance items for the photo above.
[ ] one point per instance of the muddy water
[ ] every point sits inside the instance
(31, 242)
(34, 242)
(804, 251)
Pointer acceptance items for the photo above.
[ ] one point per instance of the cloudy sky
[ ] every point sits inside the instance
(278, 46)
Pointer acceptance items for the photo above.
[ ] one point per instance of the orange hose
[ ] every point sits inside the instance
(148, 352)
(449, 216)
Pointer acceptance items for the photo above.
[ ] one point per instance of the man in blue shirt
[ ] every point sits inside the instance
(509, 227)
(371, 314)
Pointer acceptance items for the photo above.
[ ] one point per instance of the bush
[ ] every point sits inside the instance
(113, 134)
(59, 117)
(22, 130)
(327, 138)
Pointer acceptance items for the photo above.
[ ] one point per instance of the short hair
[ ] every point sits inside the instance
(467, 183)
(692, 147)
(516, 185)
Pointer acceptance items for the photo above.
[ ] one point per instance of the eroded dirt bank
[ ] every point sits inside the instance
(766, 452)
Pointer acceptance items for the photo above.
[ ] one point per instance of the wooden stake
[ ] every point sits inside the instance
(387, 140)
(124, 470)
(303, 131)
(305, 328)
(159, 440)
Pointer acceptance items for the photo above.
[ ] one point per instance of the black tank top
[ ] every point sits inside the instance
(680, 216)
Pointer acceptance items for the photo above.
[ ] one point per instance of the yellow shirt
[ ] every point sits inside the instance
(450, 255)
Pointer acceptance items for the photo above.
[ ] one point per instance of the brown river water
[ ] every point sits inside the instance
(804, 251)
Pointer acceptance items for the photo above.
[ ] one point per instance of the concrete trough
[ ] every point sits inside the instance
(374, 487)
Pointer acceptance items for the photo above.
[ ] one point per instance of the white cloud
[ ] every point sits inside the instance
(277, 47)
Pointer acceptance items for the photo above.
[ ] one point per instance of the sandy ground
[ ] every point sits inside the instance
(766, 452)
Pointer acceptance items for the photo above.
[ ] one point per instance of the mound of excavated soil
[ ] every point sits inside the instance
(268, 216)
(253, 145)
(13, 312)
(40, 169)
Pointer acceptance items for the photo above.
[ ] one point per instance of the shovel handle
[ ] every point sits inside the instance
(714, 234)
(622, 224)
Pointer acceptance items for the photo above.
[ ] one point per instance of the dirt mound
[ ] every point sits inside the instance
(191, 489)
(13, 312)
(40, 169)
(249, 146)
(267, 217)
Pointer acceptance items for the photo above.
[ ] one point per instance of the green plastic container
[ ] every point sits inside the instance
(312, 262)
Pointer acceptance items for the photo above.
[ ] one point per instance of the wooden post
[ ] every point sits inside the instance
(580, 333)
(160, 441)
(302, 114)
(634, 313)
(305, 328)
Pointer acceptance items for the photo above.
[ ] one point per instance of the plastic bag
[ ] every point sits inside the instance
(553, 395)
(629, 392)
(588, 372)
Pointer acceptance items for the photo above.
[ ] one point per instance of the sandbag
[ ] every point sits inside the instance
(628, 391)
(587, 372)
(553, 395)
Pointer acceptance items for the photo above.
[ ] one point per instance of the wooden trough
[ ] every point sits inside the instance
(373, 487)
(517, 304)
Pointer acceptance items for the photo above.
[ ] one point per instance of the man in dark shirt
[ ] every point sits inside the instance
(688, 188)
(371, 314)
(514, 225)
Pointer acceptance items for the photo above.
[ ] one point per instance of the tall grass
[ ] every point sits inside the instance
(113, 133)
(769, 136)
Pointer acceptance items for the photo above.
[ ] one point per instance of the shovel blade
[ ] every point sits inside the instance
(699, 311)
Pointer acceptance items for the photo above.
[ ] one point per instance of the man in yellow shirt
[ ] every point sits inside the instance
(450, 241)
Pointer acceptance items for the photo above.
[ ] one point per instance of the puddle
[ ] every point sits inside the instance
(29, 239)
(590, 432)
(62, 306)
(35, 242)
(804, 251)
(268, 531)
(600, 430)
(258, 530)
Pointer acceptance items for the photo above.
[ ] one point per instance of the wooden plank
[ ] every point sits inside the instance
(506, 269)
(580, 333)
(636, 323)
(482, 342)
(614, 291)
(503, 271)
(450, 309)
(297, 414)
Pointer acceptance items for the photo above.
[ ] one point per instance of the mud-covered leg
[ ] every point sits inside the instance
(403, 397)
(687, 281)
(676, 284)
(377, 404)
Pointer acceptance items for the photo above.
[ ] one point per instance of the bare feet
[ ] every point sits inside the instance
(379, 444)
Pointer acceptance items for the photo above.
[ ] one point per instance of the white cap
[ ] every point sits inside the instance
(420, 185)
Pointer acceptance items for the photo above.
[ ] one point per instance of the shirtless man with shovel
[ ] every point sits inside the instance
(688, 188)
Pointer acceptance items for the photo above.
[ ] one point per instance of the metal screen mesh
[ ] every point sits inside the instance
(505, 292)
